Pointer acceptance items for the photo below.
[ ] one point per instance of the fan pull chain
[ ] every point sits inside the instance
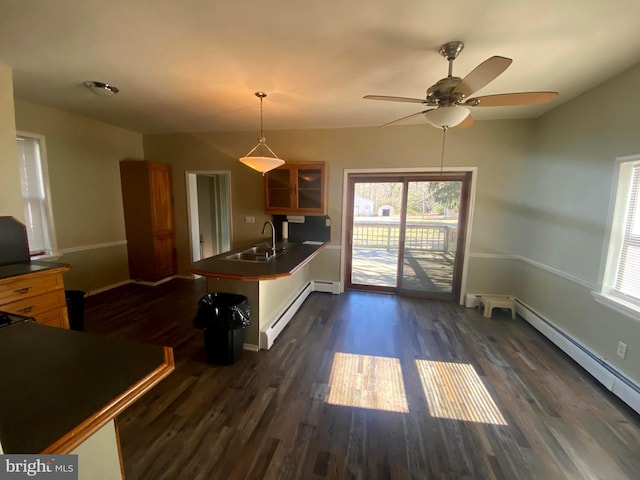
(444, 138)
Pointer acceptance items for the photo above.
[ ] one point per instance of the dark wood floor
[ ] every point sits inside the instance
(341, 395)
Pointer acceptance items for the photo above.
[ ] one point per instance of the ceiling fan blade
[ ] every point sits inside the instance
(466, 123)
(484, 73)
(394, 99)
(404, 118)
(512, 99)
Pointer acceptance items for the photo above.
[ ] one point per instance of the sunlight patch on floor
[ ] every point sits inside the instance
(455, 391)
(367, 382)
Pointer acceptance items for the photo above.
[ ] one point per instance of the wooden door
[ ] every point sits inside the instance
(161, 200)
(162, 222)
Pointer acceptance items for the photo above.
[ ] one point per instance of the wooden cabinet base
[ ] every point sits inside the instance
(39, 295)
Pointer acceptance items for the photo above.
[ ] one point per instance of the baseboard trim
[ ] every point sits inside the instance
(620, 384)
(108, 287)
(250, 347)
(139, 282)
(153, 284)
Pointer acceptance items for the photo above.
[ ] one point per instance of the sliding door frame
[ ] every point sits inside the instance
(348, 211)
(394, 173)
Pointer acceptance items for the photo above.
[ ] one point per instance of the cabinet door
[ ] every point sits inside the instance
(296, 188)
(309, 190)
(278, 190)
(165, 255)
(161, 198)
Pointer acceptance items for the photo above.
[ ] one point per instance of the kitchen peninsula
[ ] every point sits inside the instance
(275, 286)
(61, 391)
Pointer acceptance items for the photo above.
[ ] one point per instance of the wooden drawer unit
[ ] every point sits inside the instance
(39, 295)
(30, 285)
(37, 305)
(55, 318)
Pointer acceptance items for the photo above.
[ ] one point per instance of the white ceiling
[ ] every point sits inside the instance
(194, 65)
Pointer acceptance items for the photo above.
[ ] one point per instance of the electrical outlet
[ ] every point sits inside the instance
(622, 350)
(249, 219)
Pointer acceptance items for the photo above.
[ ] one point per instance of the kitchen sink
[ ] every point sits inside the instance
(249, 257)
(257, 253)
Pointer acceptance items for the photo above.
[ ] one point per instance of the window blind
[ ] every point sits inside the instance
(627, 280)
(33, 195)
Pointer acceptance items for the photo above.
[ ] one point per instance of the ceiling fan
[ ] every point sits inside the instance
(449, 97)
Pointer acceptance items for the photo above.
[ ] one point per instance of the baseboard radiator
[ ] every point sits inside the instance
(269, 334)
(613, 379)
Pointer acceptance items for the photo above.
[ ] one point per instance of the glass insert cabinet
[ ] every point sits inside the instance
(296, 188)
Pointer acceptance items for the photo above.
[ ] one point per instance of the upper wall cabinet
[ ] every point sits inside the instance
(296, 188)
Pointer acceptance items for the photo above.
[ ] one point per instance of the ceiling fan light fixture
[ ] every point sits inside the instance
(101, 89)
(264, 159)
(447, 116)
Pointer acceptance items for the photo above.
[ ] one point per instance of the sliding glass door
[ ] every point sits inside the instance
(407, 233)
(375, 231)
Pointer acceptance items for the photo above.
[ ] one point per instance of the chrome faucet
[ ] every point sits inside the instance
(273, 235)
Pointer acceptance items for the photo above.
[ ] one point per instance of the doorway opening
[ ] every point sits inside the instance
(406, 232)
(209, 213)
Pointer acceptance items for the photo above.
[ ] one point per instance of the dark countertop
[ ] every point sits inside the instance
(57, 386)
(286, 264)
(16, 269)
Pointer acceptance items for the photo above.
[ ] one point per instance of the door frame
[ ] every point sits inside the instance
(192, 207)
(390, 172)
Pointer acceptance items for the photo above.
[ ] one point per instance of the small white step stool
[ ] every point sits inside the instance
(498, 301)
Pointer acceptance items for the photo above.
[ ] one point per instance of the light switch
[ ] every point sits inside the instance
(249, 219)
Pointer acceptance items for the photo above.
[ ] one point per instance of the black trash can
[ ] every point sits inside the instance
(75, 309)
(223, 316)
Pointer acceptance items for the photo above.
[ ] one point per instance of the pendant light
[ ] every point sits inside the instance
(265, 159)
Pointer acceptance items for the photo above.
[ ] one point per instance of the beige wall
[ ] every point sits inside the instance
(496, 148)
(558, 220)
(10, 196)
(540, 220)
(543, 190)
(84, 175)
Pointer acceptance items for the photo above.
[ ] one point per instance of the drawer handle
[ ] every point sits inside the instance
(26, 309)
(22, 290)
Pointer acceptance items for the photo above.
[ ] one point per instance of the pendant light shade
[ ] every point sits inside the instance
(448, 116)
(261, 157)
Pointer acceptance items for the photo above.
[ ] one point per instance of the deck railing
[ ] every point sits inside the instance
(418, 236)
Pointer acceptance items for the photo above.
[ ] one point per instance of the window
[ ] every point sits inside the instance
(35, 194)
(621, 281)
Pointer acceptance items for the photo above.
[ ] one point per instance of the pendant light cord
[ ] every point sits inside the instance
(444, 138)
(261, 134)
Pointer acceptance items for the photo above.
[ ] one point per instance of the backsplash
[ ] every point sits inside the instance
(313, 228)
